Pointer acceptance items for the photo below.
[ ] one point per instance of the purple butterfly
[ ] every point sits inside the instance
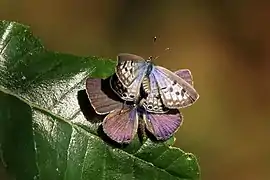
(158, 82)
(122, 121)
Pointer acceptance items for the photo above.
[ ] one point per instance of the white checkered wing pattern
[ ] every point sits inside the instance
(175, 92)
(130, 68)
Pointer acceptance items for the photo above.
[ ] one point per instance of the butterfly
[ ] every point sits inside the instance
(122, 121)
(163, 85)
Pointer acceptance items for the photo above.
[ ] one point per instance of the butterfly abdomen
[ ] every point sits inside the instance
(146, 85)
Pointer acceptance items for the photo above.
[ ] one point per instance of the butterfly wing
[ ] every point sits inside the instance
(175, 92)
(186, 75)
(153, 102)
(102, 102)
(127, 94)
(129, 68)
(121, 125)
(163, 126)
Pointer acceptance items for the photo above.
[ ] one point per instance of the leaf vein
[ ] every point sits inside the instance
(54, 67)
(68, 91)
(173, 162)
(104, 163)
(68, 152)
(5, 35)
(10, 68)
(75, 114)
(85, 154)
(160, 155)
(36, 152)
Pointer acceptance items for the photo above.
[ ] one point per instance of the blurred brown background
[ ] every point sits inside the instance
(226, 44)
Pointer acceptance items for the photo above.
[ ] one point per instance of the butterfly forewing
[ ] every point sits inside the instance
(129, 68)
(121, 125)
(127, 94)
(175, 91)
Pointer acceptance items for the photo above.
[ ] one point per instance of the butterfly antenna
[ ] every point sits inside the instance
(150, 58)
(165, 50)
(154, 42)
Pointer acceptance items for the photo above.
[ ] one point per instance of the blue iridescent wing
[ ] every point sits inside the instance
(129, 68)
(153, 102)
(100, 101)
(121, 125)
(127, 94)
(163, 126)
(175, 92)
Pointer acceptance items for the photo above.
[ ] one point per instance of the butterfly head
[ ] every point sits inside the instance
(150, 59)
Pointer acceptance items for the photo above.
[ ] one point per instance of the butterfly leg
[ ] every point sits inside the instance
(141, 132)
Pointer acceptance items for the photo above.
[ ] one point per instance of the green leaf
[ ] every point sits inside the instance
(46, 131)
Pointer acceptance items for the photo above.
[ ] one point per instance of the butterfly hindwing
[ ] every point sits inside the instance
(129, 68)
(100, 101)
(121, 125)
(175, 92)
(163, 126)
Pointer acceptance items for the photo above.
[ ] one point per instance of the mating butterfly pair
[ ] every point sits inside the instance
(156, 93)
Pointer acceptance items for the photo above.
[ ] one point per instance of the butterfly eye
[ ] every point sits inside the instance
(171, 89)
(149, 107)
(177, 93)
(125, 94)
(174, 82)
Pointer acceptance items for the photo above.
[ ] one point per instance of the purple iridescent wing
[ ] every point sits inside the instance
(130, 69)
(100, 101)
(163, 126)
(121, 125)
(175, 92)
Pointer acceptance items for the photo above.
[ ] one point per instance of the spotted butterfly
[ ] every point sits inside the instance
(121, 123)
(164, 86)
(122, 120)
